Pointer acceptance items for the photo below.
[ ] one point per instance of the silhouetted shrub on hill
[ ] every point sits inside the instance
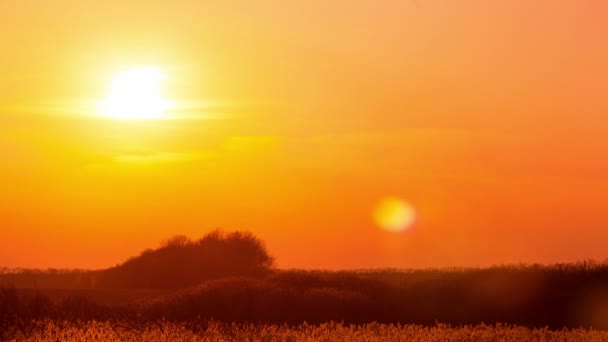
(181, 262)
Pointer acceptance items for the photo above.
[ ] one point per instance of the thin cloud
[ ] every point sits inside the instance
(160, 157)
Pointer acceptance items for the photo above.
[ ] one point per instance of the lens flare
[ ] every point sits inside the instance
(393, 214)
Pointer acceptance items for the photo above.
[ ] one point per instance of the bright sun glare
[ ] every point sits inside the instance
(136, 94)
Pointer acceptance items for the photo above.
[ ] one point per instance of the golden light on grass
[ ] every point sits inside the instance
(393, 214)
(136, 94)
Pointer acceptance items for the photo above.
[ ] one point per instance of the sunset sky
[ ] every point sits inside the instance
(295, 120)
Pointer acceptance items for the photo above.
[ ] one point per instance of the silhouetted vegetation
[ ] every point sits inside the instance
(180, 262)
(49, 278)
(229, 277)
(557, 296)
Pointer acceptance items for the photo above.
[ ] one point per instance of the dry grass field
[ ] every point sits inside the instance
(49, 330)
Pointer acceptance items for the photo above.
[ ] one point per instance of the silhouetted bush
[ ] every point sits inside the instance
(181, 262)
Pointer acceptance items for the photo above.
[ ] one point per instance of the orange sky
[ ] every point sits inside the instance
(297, 118)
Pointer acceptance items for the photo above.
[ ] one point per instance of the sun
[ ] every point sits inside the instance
(136, 94)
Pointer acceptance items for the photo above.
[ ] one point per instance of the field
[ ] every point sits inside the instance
(49, 330)
(182, 292)
(557, 296)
